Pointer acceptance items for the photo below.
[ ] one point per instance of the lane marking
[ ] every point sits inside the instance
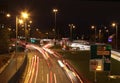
(55, 78)
(47, 78)
(42, 78)
(50, 76)
(37, 64)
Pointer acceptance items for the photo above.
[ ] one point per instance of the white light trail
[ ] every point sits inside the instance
(55, 78)
(115, 55)
(47, 78)
(61, 64)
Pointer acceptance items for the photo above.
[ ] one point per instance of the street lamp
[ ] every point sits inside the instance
(93, 27)
(29, 28)
(21, 21)
(71, 27)
(55, 12)
(25, 16)
(37, 29)
(116, 26)
(8, 15)
(17, 20)
(47, 34)
(100, 35)
(53, 30)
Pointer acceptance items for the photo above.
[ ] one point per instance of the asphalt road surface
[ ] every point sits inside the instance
(46, 67)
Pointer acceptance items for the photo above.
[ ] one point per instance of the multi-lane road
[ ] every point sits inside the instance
(45, 66)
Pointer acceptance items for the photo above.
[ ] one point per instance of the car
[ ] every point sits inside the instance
(79, 46)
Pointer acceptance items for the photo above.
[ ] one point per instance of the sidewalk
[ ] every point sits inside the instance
(5, 64)
(11, 67)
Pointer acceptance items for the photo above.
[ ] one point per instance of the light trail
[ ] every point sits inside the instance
(48, 50)
(115, 55)
(47, 78)
(60, 63)
(55, 79)
(33, 69)
(51, 52)
(51, 77)
(39, 49)
(71, 73)
(29, 71)
(37, 66)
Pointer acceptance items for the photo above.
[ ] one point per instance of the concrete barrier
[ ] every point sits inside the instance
(17, 75)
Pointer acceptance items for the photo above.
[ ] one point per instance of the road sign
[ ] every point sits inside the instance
(32, 40)
(101, 52)
(96, 65)
(109, 39)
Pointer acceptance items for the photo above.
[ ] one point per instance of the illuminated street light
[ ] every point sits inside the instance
(71, 27)
(8, 15)
(116, 26)
(9, 29)
(55, 12)
(47, 34)
(29, 28)
(21, 21)
(113, 24)
(16, 40)
(93, 27)
(25, 16)
(37, 29)
(28, 25)
(30, 22)
(18, 21)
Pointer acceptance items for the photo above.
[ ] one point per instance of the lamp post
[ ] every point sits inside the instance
(71, 27)
(25, 17)
(55, 12)
(116, 26)
(16, 40)
(53, 30)
(29, 28)
(17, 22)
(93, 27)
(100, 35)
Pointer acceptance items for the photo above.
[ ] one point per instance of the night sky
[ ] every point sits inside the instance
(81, 13)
